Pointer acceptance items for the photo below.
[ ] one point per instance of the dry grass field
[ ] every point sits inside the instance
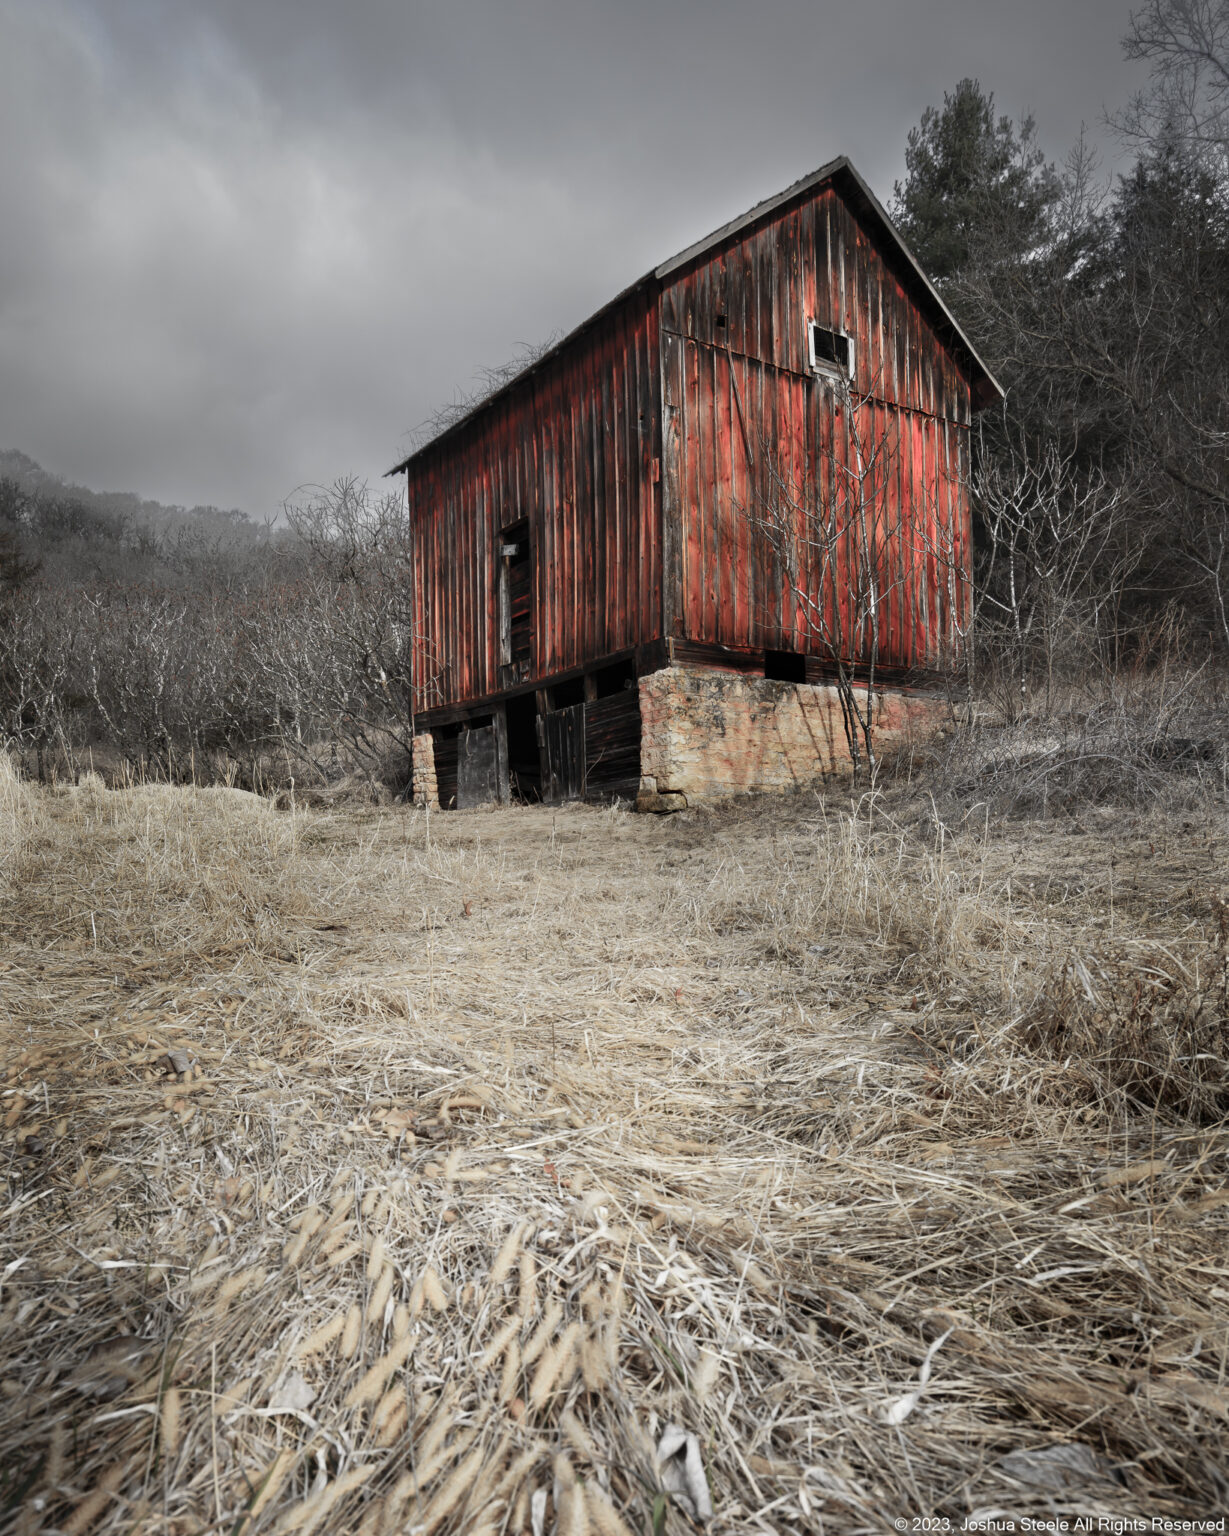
(562, 1172)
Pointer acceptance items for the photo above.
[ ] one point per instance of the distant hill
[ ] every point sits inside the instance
(73, 532)
(156, 516)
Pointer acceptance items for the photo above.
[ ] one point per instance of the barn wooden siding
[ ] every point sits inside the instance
(574, 448)
(638, 453)
(738, 390)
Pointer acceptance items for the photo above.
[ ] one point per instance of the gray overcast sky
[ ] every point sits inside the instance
(250, 243)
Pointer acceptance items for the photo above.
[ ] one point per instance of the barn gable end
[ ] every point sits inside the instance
(594, 521)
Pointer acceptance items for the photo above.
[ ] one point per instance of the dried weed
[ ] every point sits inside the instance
(511, 1139)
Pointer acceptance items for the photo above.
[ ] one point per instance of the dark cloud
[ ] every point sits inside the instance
(250, 244)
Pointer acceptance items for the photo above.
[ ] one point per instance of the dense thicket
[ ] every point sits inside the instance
(1102, 487)
(203, 645)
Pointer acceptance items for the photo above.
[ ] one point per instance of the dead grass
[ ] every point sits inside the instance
(1146, 1026)
(513, 1139)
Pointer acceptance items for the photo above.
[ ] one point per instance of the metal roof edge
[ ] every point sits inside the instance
(752, 216)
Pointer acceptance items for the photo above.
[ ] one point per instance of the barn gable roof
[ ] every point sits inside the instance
(841, 173)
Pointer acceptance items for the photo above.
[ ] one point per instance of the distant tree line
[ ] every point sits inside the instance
(206, 646)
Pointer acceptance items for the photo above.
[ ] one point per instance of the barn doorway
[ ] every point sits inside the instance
(515, 603)
(524, 761)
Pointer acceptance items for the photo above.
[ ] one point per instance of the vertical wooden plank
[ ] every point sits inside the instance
(736, 300)
(465, 570)
(568, 554)
(643, 514)
(616, 476)
(503, 786)
(447, 641)
(729, 604)
(653, 393)
(762, 268)
(627, 553)
(594, 598)
(722, 511)
(825, 277)
(690, 507)
(600, 531)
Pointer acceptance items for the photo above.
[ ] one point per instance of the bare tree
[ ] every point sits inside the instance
(359, 591)
(1054, 562)
(41, 641)
(1186, 42)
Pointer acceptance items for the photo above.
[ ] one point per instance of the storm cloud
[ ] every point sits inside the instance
(250, 244)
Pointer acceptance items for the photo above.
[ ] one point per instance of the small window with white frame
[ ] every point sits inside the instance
(829, 352)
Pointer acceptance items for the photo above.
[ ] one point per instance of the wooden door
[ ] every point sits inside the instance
(477, 769)
(561, 739)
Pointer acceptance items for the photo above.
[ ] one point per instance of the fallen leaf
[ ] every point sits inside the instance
(1058, 1468)
(293, 1396)
(682, 1472)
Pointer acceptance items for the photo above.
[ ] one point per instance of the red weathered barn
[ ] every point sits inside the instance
(600, 607)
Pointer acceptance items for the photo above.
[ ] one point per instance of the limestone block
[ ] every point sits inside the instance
(706, 732)
(424, 787)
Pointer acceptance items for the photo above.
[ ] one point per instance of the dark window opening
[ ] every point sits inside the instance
(720, 322)
(564, 695)
(515, 602)
(614, 679)
(831, 351)
(785, 667)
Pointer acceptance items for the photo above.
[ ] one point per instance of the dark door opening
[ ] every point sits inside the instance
(524, 762)
(785, 666)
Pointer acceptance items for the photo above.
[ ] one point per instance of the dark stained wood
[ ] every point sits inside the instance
(477, 768)
(612, 745)
(447, 749)
(561, 735)
(499, 724)
(700, 653)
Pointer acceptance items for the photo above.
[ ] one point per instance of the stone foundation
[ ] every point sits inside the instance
(425, 788)
(707, 733)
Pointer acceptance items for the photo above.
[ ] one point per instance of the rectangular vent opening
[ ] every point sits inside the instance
(785, 667)
(830, 351)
